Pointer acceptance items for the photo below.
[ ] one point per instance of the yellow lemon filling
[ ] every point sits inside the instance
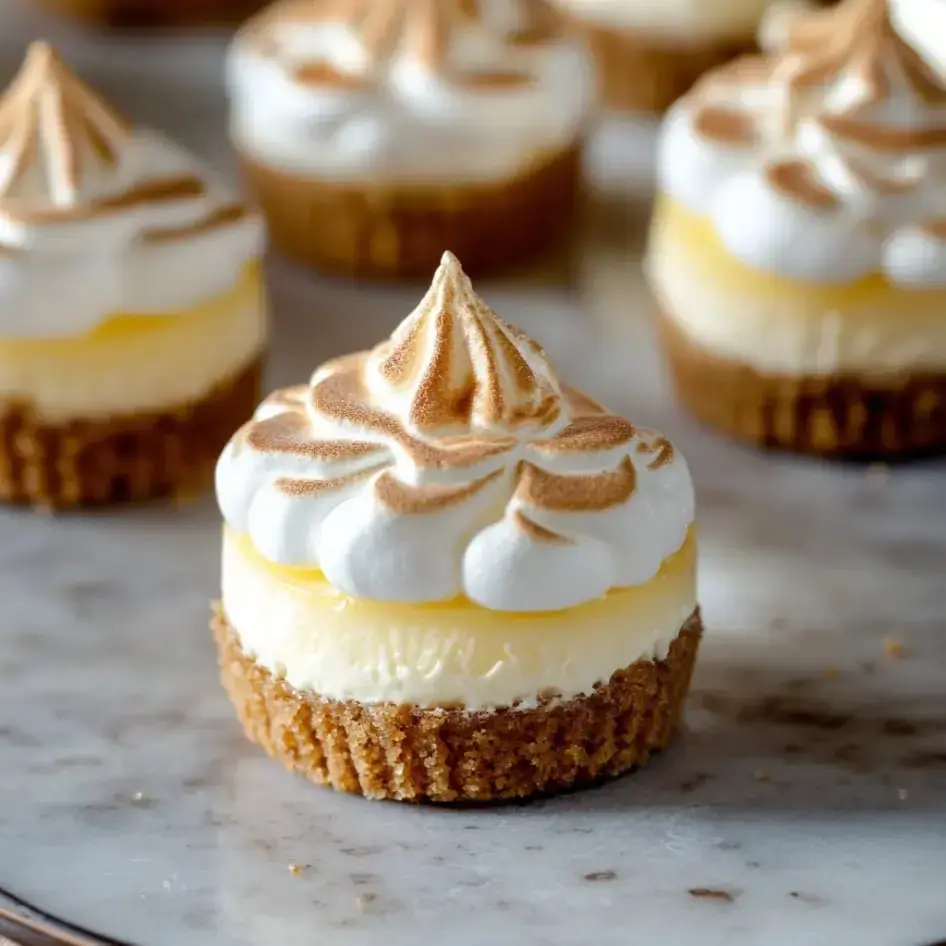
(708, 256)
(137, 362)
(294, 622)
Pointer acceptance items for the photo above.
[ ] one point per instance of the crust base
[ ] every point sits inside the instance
(843, 416)
(124, 458)
(450, 755)
(401, 230)
(151, 13)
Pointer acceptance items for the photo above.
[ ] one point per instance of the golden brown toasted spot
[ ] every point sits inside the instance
(583, 493)
(402, 498)
(303, 488)
(796, 179)
(323, 74)
(663, 450)
(727, 125)
(454, 452)
(494, 80)
(588, 434)
(219, 219)
(886, 137)
(582, 404)
(291, 433)
(537, 532)
(148, 192)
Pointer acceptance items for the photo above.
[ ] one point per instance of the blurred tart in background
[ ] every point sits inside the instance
(798, 252)
(373, 133)
(132, 319)
(448, 576)
(152, 13)
(650, 52)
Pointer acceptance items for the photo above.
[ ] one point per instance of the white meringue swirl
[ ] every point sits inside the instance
(450, 461)
(825, 161)
(406, 90)
(99, 219)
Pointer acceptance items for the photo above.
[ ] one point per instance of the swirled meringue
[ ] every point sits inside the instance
(406, 89)
(824, 161)
(451, 461)
(98, 218)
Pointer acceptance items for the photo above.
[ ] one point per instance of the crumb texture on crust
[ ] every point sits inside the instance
(401, 230)
(844, 416)
(450, 755)
(123, 458)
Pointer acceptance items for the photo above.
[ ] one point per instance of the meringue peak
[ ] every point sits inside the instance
(54, 128)
(454, 364)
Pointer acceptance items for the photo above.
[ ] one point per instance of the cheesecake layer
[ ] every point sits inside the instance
(137, 362)
(781, 326)
(296, 625)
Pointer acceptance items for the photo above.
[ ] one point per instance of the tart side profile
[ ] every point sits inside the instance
(447, 576)
(132, 318)
(375, 133)
(798, 249)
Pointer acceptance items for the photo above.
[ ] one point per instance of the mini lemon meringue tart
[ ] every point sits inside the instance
(798, 252)
(448, 576)
(132, 320)
(375, 132)
(649, 53)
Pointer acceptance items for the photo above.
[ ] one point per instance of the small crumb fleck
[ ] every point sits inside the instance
(902, 794)
(832, 673)
(761, 775)
(296, 869)
(600, 875)
(893, 648)
(708, 893)
(363, 899)
(138, 796)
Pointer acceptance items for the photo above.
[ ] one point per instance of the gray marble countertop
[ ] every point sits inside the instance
(808, 790)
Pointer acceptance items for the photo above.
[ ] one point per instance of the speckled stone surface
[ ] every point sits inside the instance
(804, 804)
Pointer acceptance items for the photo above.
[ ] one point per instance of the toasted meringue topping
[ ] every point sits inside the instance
(408, 88)
(98, 218)
(839, 131)
(466, 441)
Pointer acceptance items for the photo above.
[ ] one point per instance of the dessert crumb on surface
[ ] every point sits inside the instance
(893, 648)
(762, 776)
(709, 893)
(296, 869)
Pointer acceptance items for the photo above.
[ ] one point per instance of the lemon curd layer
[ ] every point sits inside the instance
(783, 326)
(297, 625)
(138, 362)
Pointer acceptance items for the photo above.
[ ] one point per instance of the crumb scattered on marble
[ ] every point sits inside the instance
(893, 648)
(832, 673)
(599, 875)
(710, 893)
(296, 869)
(762, 776)
(138, 796)
(363, 899)
(902, 794)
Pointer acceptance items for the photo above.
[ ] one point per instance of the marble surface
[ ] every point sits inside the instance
(807, 793)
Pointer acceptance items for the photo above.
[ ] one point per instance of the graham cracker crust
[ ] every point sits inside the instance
(156, 13)
(401, 230)
(408, 753)
(843, 416)
(639, 73)
(171, 452)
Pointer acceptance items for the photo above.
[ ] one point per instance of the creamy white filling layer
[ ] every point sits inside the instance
(785, 334)
(433, 656)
